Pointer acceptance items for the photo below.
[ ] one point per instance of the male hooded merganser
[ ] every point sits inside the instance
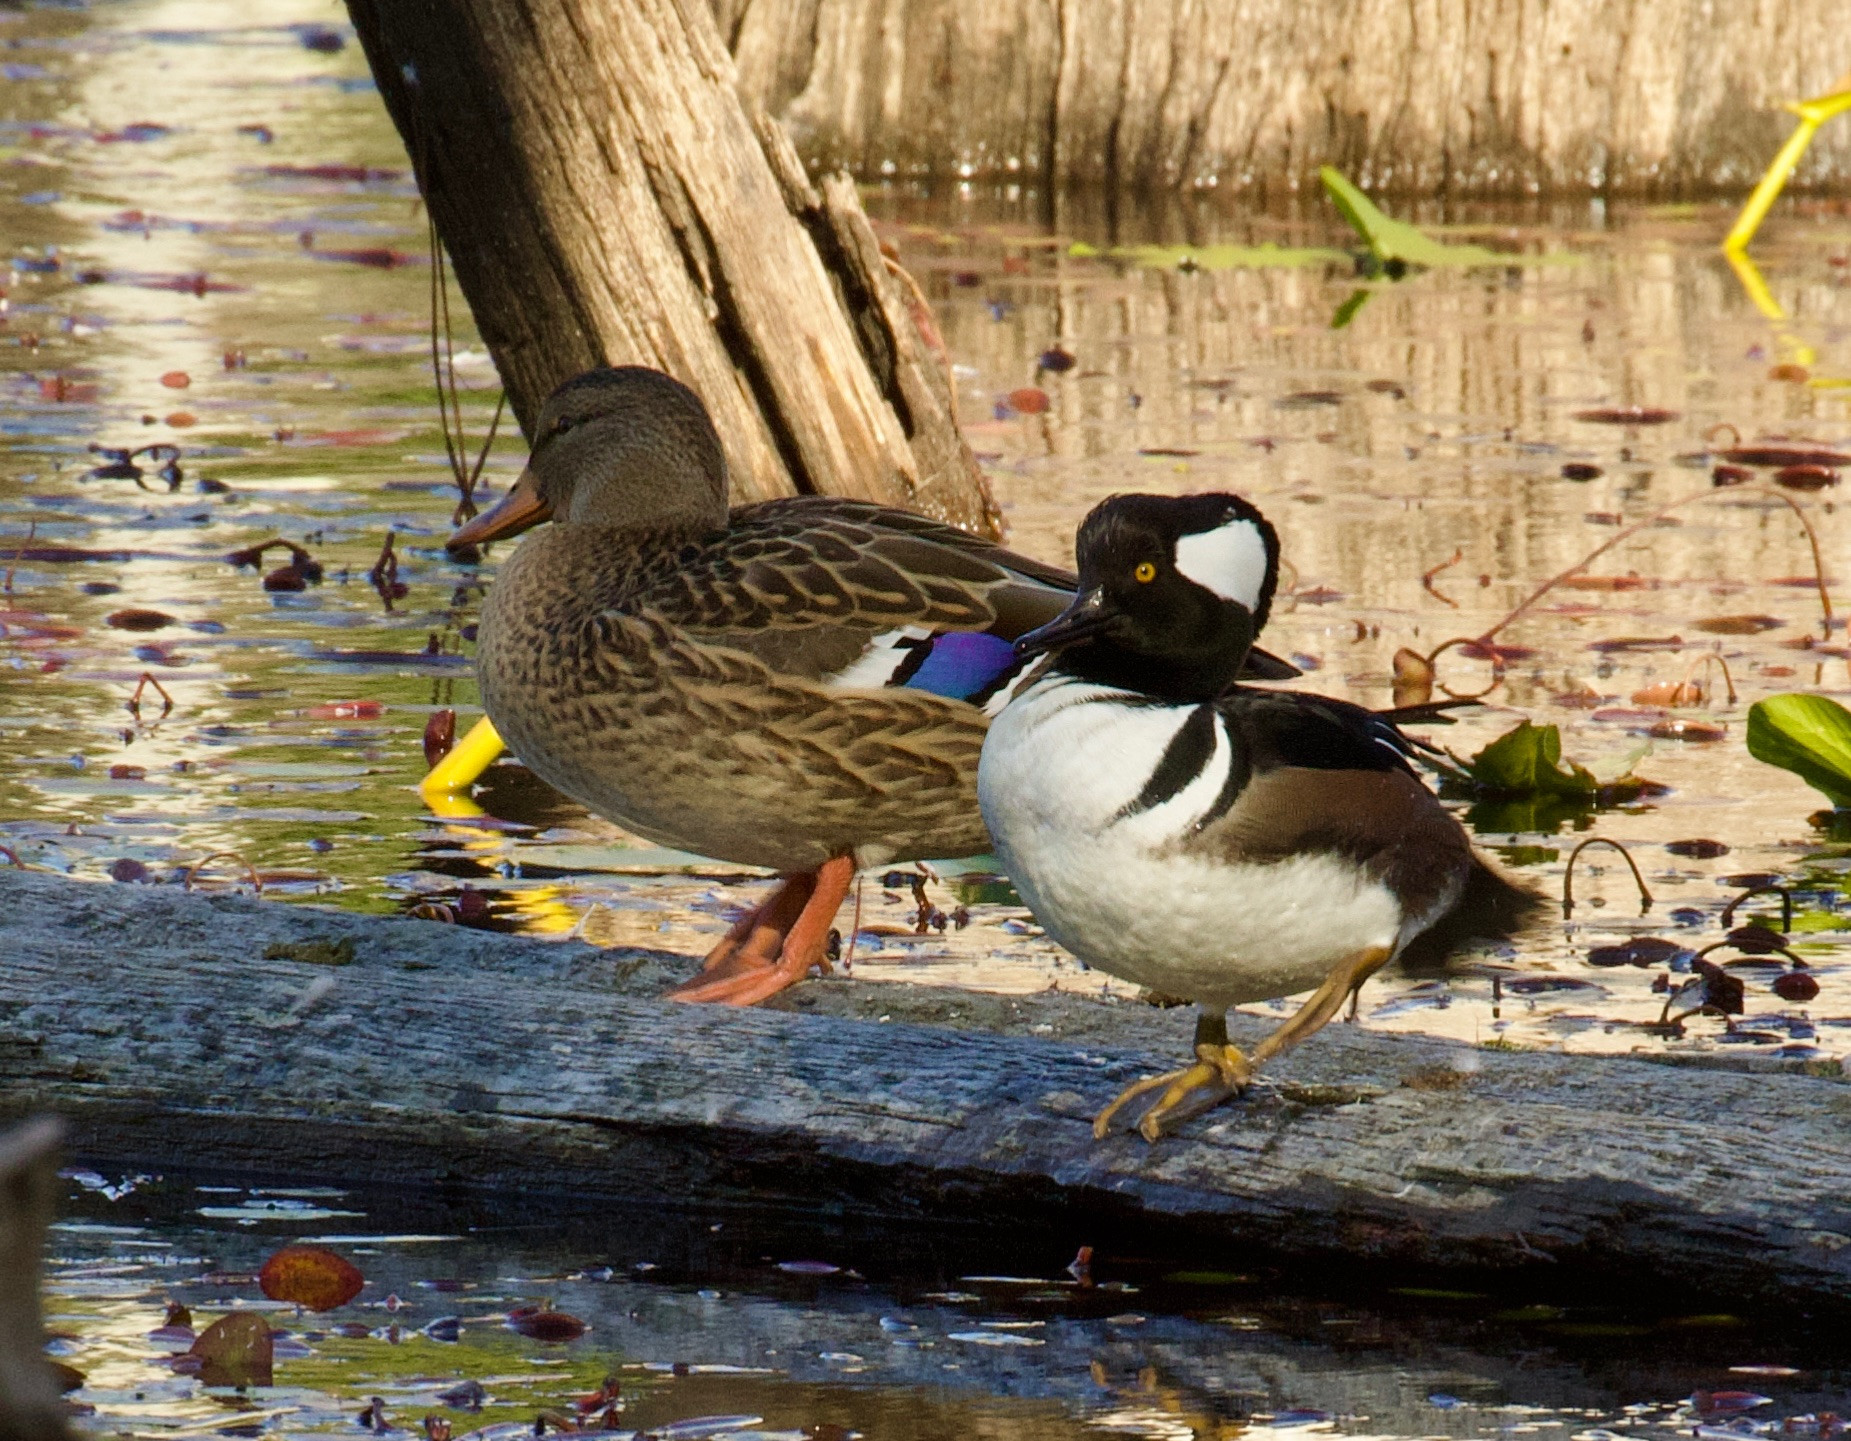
(799, 684)
(1208, 840)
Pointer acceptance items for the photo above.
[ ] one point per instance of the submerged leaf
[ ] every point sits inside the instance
(550, 1326)
(234, 1350)
(1809, 735)
(310, 1275)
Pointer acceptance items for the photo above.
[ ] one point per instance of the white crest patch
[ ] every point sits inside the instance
(1230, 560)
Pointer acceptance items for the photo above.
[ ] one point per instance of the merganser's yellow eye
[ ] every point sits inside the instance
(1145, 572)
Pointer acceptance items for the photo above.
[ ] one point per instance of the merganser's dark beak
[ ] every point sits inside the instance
(1089, 615)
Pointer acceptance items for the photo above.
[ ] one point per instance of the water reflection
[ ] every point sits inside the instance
(229, 208)
(744, 1325)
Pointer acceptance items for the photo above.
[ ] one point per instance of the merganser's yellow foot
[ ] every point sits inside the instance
(1325, 1002)
(1220, 1068)
(777, 945)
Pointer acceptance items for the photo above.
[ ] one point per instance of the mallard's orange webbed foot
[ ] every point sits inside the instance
(777, 945)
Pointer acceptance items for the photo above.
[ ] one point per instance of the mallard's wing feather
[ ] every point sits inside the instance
(855, 596)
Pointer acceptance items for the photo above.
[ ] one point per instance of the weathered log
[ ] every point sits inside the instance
(1438, 96)
(29, 1406)
(605, 197)
(172, 1029)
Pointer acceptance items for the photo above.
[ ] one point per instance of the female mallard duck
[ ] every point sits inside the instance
(799, 684)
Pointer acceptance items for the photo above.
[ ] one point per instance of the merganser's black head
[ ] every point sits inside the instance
(616, 446)
(1173, 591)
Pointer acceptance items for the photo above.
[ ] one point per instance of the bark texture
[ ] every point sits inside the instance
(29, 1406)
(606, 197)
(1433, 96)
(173, 1029)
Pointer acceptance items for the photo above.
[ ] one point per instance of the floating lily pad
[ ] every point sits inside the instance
(1216, 257)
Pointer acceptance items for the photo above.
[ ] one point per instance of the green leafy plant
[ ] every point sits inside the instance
(1394, 242)
(1527, 761)
(1521, 783)
(1809, 735)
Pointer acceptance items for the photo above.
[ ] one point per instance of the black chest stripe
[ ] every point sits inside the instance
(1239, 773)
(1184, 758)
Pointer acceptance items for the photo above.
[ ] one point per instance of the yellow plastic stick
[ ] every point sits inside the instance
(1813, 113)
(468, 758)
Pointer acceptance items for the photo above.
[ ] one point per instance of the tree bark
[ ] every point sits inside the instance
(221, 1032)
(29, 1406)
(606, 198)
(1433, 97)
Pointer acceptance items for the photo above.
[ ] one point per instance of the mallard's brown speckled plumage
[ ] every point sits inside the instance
(798, 684)
(677, 683)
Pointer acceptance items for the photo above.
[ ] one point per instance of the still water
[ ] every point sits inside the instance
(213, 246)
(746, 1326)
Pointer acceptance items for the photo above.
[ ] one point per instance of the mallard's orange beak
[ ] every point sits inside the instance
(521, 508)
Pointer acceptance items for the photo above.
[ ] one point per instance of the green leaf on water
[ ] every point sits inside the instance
(1527, 761)
(1809, 735)
(1521, 783)
(1394, 242)
(1222, 257)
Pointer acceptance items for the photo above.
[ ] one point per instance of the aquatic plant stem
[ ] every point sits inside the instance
(1568, 874)
(1528, 602)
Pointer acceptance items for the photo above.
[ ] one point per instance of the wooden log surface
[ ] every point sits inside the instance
(29, 1406)
(1428, 96)
(172, 1029)
(607, 198)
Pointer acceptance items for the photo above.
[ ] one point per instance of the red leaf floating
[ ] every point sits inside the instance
(1491, 650)
(310, 1276)
(1682, 729)
(1627, 415)
(133, 619)
(176, 380)
(234, 1350)
(1805, 477)
(1779, 455)
(550, 1326)
(1029, 400)
(439, 735)
(1795, 986)
(1739, 624)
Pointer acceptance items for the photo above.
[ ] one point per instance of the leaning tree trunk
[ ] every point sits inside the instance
(29, 1405)
(605, 197)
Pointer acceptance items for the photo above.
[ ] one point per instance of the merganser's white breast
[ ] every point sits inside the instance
(1100, 852)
